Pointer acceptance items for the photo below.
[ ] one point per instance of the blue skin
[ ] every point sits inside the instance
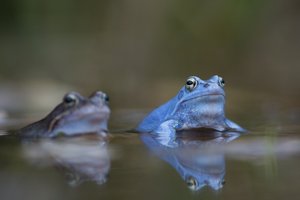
(199, 104)
(193, 159)
(75, 115)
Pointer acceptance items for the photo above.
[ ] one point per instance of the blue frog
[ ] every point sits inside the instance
(199, 104)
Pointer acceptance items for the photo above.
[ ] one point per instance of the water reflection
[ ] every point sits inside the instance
(198, 158)
(80, 159)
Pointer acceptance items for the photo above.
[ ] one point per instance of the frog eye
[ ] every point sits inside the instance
(223, 182)
(191, 83)
(191, 183)
(70, 99)
(106, 98)
(221, 82)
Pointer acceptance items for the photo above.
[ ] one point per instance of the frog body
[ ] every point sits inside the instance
(73, 116)
(199, 104)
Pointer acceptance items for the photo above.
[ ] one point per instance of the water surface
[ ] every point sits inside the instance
(263, 164)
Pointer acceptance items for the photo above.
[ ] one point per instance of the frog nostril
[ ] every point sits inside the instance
(206, 85)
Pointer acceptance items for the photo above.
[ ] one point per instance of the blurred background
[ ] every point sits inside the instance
(140, 52)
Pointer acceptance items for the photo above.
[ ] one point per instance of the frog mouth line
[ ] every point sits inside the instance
(214, 94)
(205, 95)
(82, 117)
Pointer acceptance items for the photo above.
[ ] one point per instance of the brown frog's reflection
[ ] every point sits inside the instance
(80, 158)
(198, 158)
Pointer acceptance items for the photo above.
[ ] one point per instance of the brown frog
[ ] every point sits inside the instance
(73, 116)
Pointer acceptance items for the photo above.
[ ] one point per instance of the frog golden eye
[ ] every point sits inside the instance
(191, 83)
(191, 183)
(221, 82)
(70, 99)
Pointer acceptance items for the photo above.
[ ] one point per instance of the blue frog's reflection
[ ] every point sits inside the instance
(198, 159)
(81, 159)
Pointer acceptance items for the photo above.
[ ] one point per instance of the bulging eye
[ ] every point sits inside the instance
(70, 99)
(221, 82)
(191, 183)
(191, 83)
(105, 98)
(99, 98)
(223, 182)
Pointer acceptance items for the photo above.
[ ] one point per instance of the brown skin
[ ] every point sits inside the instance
(73, 116)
